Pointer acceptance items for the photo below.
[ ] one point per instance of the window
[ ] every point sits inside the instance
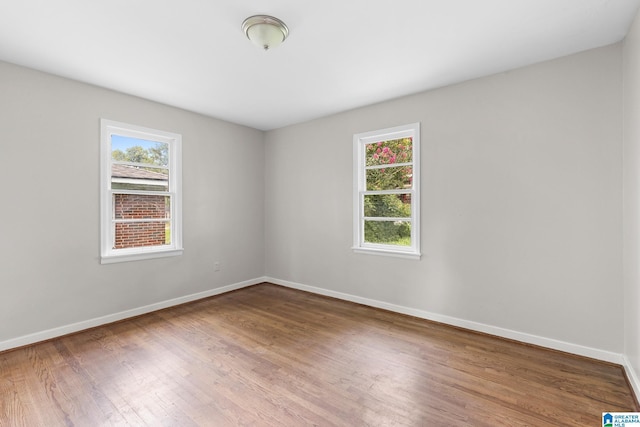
(141, 193)
(387, 191)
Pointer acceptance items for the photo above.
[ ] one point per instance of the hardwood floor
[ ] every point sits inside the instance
(272, 356)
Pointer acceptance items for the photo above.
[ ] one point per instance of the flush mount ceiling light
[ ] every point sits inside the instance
(265, 31)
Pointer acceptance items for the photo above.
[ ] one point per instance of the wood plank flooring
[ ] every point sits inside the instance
(272, 356)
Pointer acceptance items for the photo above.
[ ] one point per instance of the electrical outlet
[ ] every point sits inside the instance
(216, 266)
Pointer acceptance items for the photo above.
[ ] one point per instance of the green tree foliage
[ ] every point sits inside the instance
(156, 155)
(119, 155)
(159, 154)
(396, 175)
(138, 154)
(389, 232)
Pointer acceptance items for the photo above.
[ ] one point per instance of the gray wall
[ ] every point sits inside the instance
(521, 202)
(632, 199)
(50, 275)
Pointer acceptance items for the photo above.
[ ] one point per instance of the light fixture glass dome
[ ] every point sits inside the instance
(265, 31)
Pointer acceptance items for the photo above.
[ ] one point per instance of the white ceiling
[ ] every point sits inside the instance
(340, 54)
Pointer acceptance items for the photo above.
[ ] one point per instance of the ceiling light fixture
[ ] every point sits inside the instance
(265, 31)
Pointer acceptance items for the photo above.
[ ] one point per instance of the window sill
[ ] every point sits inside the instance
(138, 256)
(387, 252)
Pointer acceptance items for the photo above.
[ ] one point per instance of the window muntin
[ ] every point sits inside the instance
(141, 193)
(386, 193)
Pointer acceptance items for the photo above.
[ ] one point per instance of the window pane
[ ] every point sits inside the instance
(141, 206)
(140, 234)
(391, 178)
(125, 177)
(135, 150)
(388, 232)
(388, 205)
(389, 152)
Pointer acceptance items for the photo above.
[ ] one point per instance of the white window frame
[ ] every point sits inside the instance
(108, 254)
(360, 141)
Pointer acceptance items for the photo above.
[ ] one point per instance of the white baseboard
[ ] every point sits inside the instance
(474, 326)
(99, 321)
(577, 349)
(632, 375)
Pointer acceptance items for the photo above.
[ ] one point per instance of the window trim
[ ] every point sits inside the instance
(360, 140)
(109, 255)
